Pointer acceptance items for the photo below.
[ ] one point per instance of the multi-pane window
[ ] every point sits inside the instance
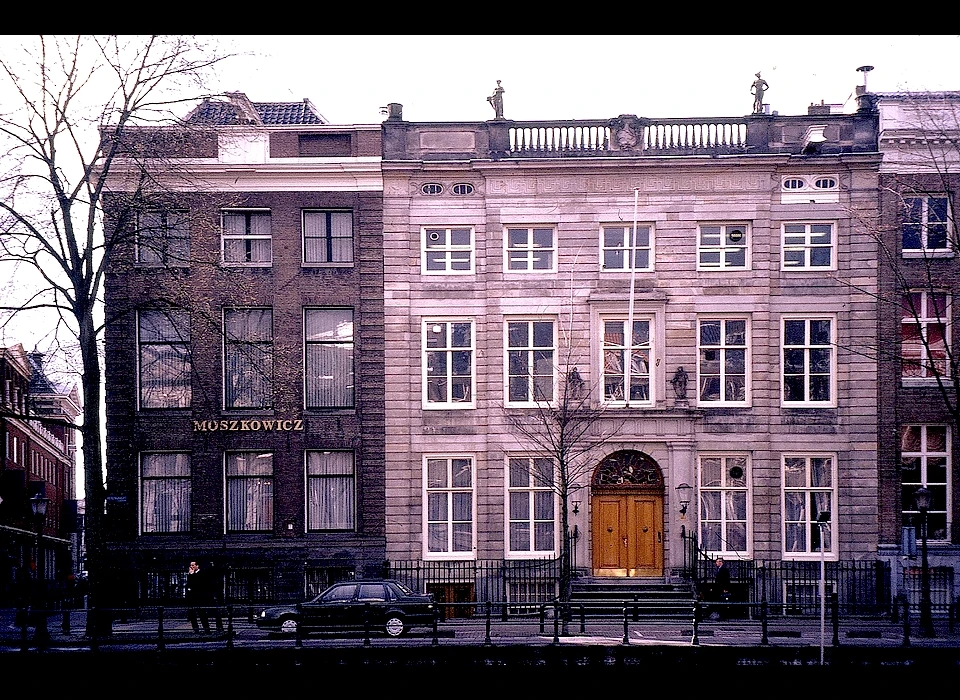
(724, 504)
(616, 243)
(925, 462)
(447, 251)
(722, 372)
(723, 247)
(809, 489)
(627, 361)
(164, 359)
(530, 361)
(449, 512)
(165, 492)
(331, 490)
(808, 246)
(248, 358)
(448, 364)
(328, 374)
(327, 237)
(925, 333)
(530, 249)
(247, 238)
(532, 506)
(808, 361)
(163, 238)
(926, 225)
(249, 491)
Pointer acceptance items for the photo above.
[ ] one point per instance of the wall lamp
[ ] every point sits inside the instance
(576, 507)
(683, 496)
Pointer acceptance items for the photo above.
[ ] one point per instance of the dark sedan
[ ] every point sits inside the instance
(387, 606)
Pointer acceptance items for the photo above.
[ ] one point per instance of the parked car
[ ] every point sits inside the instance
(374, 605)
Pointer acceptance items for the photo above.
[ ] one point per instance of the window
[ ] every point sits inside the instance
(925, 226)
(808, 490)
(447, 251)
(924, 333)
(616, 246)
(462, 189)
(530, 250)
(327, 237)
(448, 364)
(165, 492)
(530, 361)
(247, 238)
(625, 381)
(163, 238)
(723, 247)
(249, 491)
(808, 361)
(925, 461)
(532, 506)
(329, 358)
(331, 491)
(449, 512)
(808, 246)
(248, 358)
(724, 504)
(431, 188)
(722, 372)
(810, 189)
(164, 357)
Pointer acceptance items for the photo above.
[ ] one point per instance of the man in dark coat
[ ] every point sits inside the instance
(196, 593)
(721, 587)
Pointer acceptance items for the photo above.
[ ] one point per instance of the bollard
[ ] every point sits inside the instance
(543, 616)
(230, 627)
(835, 616)
(763, 623)
(583, 619)
(65, 621)
(298, 634)
(24, 642)
(366, 624)
(696, 624)
(486, 640)
(906, 622)
(436, 620)
(160, 642)
(626, 624)
(556, 622)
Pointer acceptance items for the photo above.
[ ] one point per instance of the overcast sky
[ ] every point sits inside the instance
(440, 77)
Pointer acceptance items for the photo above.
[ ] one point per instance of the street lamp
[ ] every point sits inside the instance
(823, 520)
(38, 504)
(923, 497)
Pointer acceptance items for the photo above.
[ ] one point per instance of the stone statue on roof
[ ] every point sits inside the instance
(757, 89)
(496, 101)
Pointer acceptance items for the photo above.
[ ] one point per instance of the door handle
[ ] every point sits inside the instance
(659, 538)
(624, 541)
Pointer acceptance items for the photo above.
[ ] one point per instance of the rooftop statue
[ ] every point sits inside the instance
(496, 101)
(757, 89)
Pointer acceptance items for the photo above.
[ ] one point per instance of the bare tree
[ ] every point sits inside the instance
(67, 103)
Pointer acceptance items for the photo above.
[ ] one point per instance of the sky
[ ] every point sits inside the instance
(448, 77)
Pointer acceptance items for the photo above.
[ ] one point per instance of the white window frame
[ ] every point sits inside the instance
(722, 349)
(924, 228)
(228, 477)
(727, 488)
(724, 247)
(921, 319)
(528, 253)
(537, 492)
(429, 327)
(182, 342)
(808, 246)
(162, 240)
(808, 349)
(808, 521)
(327, 484)
(439, 239)
(328, 238)
(530, 352)
(626, 261)
(450, 490)
(925, 455)
(246, 238)
(652, 349)
(186, 485)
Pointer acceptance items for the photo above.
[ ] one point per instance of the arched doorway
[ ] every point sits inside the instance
(627, 506)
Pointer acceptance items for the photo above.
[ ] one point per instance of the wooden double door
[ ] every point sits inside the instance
(628, 533)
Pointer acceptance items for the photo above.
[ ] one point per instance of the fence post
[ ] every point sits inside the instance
(763, 622)
(835, 615)
(486, 640)
(160, 642)
(626, 624)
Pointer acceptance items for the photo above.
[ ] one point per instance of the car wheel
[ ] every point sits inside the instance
(288, 625)
(395, 626)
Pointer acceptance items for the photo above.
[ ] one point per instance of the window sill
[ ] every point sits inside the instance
(921, 254)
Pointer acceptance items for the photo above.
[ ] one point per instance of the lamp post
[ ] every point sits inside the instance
(823, 520)
(923, 497)
(38, 504)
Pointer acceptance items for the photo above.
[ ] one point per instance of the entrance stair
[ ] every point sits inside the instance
(645, 598)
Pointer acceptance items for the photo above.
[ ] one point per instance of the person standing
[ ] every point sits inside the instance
(196, 599)
(721, 588)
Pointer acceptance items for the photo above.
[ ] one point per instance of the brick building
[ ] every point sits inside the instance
(703, 283)
(918, 355)
(244, 357)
